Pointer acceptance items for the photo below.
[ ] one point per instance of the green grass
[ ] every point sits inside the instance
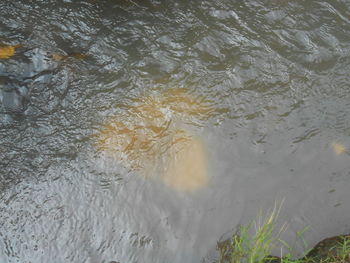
(255, 242)
(343, 249)
(339, 252)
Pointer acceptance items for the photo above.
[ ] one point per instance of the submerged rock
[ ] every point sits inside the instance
(331, 248)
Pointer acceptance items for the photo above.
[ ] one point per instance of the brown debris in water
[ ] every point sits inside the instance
(77, 55)
(8, 51)
(152, 137)
(338, 148)
(329, 250)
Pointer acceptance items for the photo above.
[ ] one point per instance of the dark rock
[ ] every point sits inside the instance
(326, 249)
(14, 98)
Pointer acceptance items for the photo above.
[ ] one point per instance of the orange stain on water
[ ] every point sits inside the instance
(152, 136)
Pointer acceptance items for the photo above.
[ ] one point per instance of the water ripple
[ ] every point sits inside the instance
(266, 94)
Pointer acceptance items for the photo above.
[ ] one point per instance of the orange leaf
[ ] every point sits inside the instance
(7, 51)
(338, 148)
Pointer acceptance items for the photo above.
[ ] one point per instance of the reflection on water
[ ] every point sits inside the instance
(152, 137)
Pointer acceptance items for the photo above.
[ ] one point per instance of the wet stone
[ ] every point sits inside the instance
(15, 99)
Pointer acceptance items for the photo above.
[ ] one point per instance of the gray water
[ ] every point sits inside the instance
(276, 73)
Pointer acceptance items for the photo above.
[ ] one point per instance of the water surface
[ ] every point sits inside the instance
(248, 99)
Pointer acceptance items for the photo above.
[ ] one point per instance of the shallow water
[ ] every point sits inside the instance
(262, 102)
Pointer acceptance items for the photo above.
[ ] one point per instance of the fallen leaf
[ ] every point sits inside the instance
(338, 148)
(8, 51)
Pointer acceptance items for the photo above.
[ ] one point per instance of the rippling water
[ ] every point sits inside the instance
(260, 96)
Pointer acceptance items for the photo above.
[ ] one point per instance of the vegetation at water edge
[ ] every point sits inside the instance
(255, 242)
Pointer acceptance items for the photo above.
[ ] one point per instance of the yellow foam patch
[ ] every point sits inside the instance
(338, 148)
(153, 137)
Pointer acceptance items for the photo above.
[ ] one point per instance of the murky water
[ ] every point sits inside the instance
(146, 131)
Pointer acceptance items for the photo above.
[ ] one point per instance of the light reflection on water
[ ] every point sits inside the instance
(249, 98)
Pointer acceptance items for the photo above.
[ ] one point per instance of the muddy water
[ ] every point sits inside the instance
(145, 131)
(151, 137)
